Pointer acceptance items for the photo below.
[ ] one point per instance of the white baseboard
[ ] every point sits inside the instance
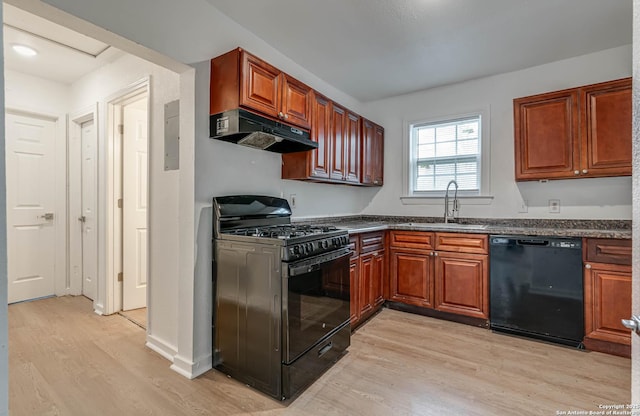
(192, 369)
(161, 347)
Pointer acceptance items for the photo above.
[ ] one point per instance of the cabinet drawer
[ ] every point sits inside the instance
(462, 243)
(609, 250)
(354, 245)
(412, 239)
(371, 242)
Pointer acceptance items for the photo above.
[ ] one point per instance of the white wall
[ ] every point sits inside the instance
(606, 198)
(30, 93)
(100, 86)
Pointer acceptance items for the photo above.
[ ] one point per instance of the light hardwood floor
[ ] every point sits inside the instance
(137, 316)
(65, 360)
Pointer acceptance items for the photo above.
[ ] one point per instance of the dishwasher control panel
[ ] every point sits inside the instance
(565, 244)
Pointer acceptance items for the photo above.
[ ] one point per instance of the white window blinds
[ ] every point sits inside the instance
(446, 150)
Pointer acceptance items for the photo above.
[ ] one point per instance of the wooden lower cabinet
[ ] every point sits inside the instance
(367, 275)
(607, 295)
(353, 278)
(411, 277)
(607, 301)
(461, 284)
(448, 272)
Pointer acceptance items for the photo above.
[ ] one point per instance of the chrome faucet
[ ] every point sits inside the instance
(450, 215)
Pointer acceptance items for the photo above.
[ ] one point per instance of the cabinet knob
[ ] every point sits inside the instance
(286, 116)
(585, 171)
(435, 253)
(280, 114)
(576, 172)
(587, 266)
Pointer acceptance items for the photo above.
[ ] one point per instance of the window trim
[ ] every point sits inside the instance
(482, 196)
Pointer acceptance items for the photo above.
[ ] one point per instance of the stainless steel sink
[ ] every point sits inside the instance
(442, 225)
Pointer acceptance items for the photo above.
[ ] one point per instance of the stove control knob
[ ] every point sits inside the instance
(325, 244)
(296, 249)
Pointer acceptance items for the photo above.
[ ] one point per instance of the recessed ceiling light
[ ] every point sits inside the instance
(24, 50)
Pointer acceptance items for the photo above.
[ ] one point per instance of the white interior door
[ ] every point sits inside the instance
(31, 220)
(89, 203)
(134, 192)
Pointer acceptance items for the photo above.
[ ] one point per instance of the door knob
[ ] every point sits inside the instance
(82, 219)
(47, 216)
(632, 324)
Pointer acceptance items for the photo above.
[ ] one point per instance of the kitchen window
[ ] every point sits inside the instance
(444, 150)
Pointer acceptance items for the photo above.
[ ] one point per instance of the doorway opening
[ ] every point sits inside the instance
(128, 127)
(170, 259)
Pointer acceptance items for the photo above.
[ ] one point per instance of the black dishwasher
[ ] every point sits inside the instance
(536, 287)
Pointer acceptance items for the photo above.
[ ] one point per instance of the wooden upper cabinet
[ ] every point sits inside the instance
(352, 148)
(606, 128)
(337, 138)
(320, 133)
(546, 129)
(240, 79)
(372, 163)
(296, 101)
(260, 85)
(574, 133)
(314, 164)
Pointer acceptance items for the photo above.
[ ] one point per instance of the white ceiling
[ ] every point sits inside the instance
(63, 55)
(373, 49)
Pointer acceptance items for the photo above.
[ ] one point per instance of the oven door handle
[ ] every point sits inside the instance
(315, 263)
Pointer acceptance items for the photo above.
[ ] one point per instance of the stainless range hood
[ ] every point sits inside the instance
(249, 129)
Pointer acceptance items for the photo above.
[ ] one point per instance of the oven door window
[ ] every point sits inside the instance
(317, 304)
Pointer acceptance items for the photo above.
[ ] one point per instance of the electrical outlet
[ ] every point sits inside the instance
(292, 199)
(524, 207)
(554, 206)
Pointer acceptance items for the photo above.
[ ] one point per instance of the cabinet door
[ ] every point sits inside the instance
(367, 265)
(607, 300)
(461, 284)
(377, 279)
(606, 128)
(411, 277)
(372, 153)
(296, 102)
(337, 138)
(353, 278)
(260, 87)
(352, 148)
(378, 156)
(321, 134)
(546, 136)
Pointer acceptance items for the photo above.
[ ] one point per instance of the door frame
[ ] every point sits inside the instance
(74, 200)
(61, 286)
(111, 222)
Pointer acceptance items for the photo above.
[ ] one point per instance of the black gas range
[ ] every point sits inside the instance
(298, 241)
(281, 295)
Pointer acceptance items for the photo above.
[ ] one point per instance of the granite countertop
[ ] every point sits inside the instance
(535, 227)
